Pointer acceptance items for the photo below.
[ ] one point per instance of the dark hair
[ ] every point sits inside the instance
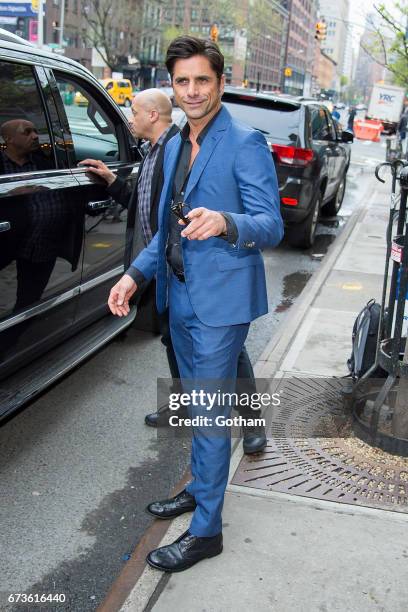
(184, 47)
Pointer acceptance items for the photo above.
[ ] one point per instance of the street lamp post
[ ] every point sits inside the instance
(40, 24)
(62, 19)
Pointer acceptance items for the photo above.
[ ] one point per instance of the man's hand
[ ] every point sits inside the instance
(95, 166)
(204, 224)
(120, 295)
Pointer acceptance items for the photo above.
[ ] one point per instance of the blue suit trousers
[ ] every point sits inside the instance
(207, 358)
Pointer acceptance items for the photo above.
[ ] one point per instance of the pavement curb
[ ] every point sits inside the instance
(119, 598)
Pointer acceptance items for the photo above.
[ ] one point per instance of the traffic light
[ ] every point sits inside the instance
(214, 32)
(320, 30)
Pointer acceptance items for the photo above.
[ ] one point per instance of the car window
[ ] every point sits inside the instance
(321, 129)
(93, 133)
(279, 121)
(25, 143)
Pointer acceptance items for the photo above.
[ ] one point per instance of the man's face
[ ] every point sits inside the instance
(140, 123)
(196, 87)
(24, 138)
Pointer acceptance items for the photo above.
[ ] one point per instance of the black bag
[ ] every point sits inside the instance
(364, 341)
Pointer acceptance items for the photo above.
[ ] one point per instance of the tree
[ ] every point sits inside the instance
(389, 44)
(112, 28)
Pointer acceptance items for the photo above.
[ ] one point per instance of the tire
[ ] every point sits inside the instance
(302, 235)
(127, 103)
(331, 209)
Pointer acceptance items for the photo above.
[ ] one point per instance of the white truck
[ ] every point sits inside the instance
(386, 104)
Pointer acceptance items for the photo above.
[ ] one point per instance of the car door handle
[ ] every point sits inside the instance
(4, 226)
(99, 205)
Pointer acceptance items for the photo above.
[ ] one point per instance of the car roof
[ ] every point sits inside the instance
(294, 101)
(15, 46)
(243, 93)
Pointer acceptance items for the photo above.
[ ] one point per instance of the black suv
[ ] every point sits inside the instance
(63, 240)
(310, 155)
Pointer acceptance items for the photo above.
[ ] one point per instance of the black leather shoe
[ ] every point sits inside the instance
(254, 439)
(160, 418)
(168, 508)
(185, 552)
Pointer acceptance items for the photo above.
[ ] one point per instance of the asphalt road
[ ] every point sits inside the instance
(78, 465)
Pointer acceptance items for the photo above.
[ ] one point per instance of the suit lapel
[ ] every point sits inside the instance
(212, 138)
(169, 170)
(158, 168)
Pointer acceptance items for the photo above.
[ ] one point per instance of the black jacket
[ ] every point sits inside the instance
(123, 194)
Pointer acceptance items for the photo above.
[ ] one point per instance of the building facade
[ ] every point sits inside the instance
(336, 16)
(300, 47)
(67, 29)
(324, 71)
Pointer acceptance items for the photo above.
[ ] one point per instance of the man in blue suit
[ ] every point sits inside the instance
(218, 176)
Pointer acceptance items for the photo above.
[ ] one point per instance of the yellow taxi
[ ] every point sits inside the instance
(119, 89)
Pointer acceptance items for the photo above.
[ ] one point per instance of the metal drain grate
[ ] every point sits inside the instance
(312, 452)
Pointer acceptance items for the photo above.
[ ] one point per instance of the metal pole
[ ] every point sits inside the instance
(40, 24)
(61, 32)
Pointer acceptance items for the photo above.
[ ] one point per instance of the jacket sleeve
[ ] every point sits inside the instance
(121, 191)
(261, 225)
(146, 262)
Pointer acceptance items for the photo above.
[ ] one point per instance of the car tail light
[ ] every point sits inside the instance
(293, 156)
(289, 201)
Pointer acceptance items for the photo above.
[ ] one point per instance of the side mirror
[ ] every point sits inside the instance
(347, 136)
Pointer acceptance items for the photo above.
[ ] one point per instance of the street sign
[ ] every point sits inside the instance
(288, 71)
(35, 5)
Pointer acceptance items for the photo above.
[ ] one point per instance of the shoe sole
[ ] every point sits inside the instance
(168, 517)
(183, 569)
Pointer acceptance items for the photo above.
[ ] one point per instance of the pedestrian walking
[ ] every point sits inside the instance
(350, 119)
(219, 207)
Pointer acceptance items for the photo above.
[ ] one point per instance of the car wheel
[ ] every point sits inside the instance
(332, 207)
(302, 235)
(127, 103)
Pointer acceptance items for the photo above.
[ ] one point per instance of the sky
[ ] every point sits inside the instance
(357, 14)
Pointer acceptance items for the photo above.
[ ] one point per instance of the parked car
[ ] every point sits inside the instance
(311, 157)
(120, 90)
(63, 240)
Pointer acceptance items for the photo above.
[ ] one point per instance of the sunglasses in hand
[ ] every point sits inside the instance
(181, 210)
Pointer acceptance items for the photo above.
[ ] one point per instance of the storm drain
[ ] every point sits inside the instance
(312, 452)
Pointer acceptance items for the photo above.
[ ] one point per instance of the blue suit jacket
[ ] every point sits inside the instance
(233, 172)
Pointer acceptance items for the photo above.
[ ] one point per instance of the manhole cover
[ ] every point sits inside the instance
(312, 452)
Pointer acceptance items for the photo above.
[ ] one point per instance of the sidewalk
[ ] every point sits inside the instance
(287, 552)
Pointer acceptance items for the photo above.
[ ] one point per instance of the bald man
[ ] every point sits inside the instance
(21, 139)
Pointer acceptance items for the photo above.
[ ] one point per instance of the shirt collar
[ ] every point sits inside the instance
(185, 132)
(159, 142)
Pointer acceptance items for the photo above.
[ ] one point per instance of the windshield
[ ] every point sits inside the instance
(280, 124)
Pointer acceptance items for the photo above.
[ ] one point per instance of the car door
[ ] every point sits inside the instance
(41, 226)
(324, 144)
(98, 131)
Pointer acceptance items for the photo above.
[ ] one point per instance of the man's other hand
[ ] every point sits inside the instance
(204, 224)
(120, 295)
(95, 166)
